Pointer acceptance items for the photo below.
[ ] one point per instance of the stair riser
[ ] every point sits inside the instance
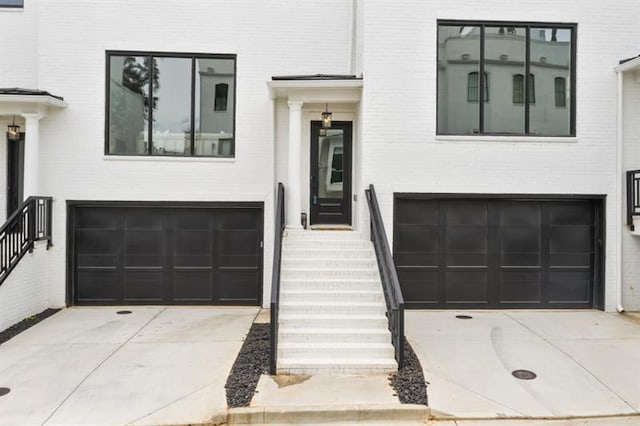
(323, 235)
(332, 353)
(330, 285)
(330, 296)
(326, 245)
(288, 337)
(297, 274)
(377, 323)
(362, 368)
(325, 254)
(332, 310)
(332, 264)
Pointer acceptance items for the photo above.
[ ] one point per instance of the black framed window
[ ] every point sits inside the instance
(471, 51)
(12, 3)
(222, 91)
(168, 104)
(473, 82)
(560, 86)
(518, 89)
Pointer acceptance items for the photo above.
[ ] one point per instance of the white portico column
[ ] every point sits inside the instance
(292, 195)
(31, 154)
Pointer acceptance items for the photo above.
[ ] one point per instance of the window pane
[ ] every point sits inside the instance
(172, 107)
(11, 3)
(550, 63)
(504, 61)
(128, 104)
(458, 56)
(214, 124)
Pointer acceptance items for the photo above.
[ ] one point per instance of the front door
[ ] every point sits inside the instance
(331, 174)
(15, 168)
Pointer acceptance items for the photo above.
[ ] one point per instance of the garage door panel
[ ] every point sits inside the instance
(520, 287)
(97, 285)
(417, 212)
(419, 285)
(520, 214)
(467, 212)
(193, 285)
(573, 286)
(467, 287)
(239, 286)
(143, 285)
(98, 248)
(236, 219)
(520, 246)
(487, 252)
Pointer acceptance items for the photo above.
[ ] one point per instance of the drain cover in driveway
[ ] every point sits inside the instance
(123, 312)
(524, 374)
(464, 316)
(4, 391)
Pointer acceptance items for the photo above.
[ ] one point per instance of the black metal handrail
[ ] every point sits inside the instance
(633, 196)
(30, 222)
(388, 275)
(275, 277)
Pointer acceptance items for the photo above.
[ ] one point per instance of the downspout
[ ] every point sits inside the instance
(620, 195)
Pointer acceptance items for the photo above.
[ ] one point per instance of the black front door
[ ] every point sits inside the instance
(331, 174)
(15, 168)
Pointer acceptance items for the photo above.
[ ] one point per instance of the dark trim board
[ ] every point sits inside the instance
(224, 262)
(431, 265)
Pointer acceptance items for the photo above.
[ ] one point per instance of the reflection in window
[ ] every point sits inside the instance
(560, 89)
(472, 87)
(518, 89)
(152, 109)
(221, 97)
(12, 3)
(510, 52)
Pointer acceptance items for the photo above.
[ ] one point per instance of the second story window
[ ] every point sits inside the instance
(469, 52)
(170, 104)
(12, 3)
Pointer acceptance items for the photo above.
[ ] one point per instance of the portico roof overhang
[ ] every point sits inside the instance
(24, 101)
(341, 90)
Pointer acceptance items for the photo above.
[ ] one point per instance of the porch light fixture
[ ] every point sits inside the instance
(326, 117)
(13, 130)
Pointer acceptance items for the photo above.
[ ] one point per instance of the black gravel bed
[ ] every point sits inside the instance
(409, 382)
(26, 323)
(252, 361)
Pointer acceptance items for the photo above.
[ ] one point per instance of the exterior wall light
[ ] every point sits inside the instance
(13, 131)
(326, 117)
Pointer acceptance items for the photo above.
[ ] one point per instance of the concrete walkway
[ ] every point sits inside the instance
(587, 364)
(157, 365)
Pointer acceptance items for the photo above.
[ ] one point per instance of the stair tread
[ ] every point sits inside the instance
(337, 361)
(343, 292)
(331, 304)
(331, 316)
(310, 330)
(335, 345)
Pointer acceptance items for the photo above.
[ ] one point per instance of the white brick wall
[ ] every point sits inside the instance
(631, 161)
(26, 292)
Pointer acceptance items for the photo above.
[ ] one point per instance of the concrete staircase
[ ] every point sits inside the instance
(332, 310)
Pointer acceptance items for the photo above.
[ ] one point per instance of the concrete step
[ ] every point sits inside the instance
(333, 295)
(378, 414)
(332, 321)
(313, 307)
(344, 335)
(345, 253)
(334, 263)
(335, 350)
(312, 283)
(326, 244)
(328, 274)
(292, 365)
(322, 235)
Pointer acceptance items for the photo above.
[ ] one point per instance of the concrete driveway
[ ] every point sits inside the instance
(157, 365)
(587, 363)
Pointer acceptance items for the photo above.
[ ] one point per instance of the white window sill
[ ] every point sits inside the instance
(501, 139)
(169, 159)
(11, 9)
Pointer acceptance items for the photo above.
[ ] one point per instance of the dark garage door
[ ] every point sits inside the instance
(204, 255)
(498, 253)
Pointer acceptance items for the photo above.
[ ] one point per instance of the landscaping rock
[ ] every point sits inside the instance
(26, 323)
(409, 382)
